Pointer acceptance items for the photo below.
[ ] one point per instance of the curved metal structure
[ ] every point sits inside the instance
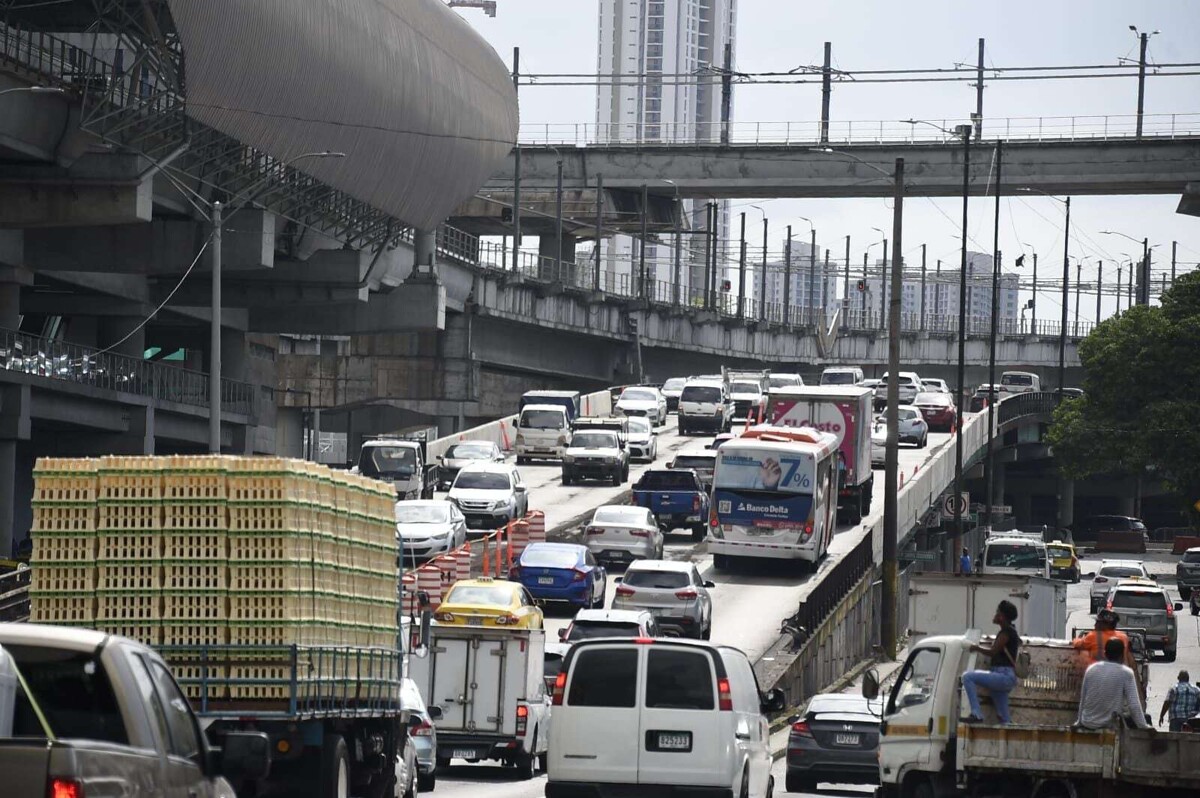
(422, 106)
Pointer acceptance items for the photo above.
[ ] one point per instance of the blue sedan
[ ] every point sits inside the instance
(561, 572)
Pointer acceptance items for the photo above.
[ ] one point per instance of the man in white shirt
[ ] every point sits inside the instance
(1109, 692)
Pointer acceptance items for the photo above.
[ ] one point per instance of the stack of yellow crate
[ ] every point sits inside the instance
(63, 582)
(129, 557)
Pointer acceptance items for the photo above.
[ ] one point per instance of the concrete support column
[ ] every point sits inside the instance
(10, 305)
(999, 470)
(1066, 501)
(233, 354)
(1022, 502)
(111, 329)
(425, 253)
(8, 494)
(289, 432)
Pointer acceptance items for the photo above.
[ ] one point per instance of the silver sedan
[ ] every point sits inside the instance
(621, 533)
(428, 527)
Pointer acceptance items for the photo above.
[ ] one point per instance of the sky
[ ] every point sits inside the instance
(778, 35)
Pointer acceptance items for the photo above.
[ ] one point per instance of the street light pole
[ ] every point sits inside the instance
(645, 235)
(787, 278)
(214, 340)
(890, 592)
(1062, 334)
(558, 220)
(1099, 287)
(741, 303)
(989, 463)
(965, 132)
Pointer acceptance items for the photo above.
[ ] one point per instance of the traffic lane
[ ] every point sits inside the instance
(824, 790)
(1162, 673)
(487, 778)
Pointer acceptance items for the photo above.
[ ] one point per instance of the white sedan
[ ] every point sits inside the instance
(912, 429)
(643, 400)
(429, 527)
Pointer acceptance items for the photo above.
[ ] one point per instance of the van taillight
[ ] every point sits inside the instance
(560, 687)
(424, 730)
(687, 594)
(724, 695)
(65, 788)
(713, 521)
(522, 719)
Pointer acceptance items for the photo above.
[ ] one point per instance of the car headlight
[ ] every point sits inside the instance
(440, 535)
(610, 458)
(499, 504)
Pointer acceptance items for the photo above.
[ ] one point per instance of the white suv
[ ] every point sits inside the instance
(1109, 573)
(489, 494)
(909, 387)
(636, 715)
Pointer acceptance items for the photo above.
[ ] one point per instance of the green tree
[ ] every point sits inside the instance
(1141, 408)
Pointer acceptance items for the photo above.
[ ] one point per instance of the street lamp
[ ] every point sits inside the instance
(678, 254)
(1066, 278)
(34, 90)
(812, 262)
(883, 278)
(762, 278)
(1143, 278)
(214, 371)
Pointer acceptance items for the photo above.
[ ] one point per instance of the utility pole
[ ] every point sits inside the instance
(726, 94)
(812, 270)
(824, 286)
(922, 287)
(1099, 287)
(937, 286)
(1120, 286)
(645, 294)
(708, 248)
(965, 132)
(558, 221)
(741, 302)
(214, 340)
(1078, 277)
(866, 286)
(599, 225)
(762, 280)
(890, 590)
(1062, 337)
(787, 278)
(884, 288)
(826, 91)
(846, 287)
(1143, 294)
(516, 206)
(979, 94)
(716, 247)
(1174, 247)
(989, 463)
(1144, 39)
(1033, 327)
(1129, 291)
(678, 248)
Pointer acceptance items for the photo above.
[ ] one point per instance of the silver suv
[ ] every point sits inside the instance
(1143, 605)
(595, 454)
(673, 592)
(1187, 572)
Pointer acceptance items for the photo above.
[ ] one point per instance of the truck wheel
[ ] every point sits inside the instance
(522, 460)
(567, 479)
(426, 781)
(525, 763)
(543, 761)
(698, 533)
(616, 478)
(1185, 592)
(721, 562)
(335, 768)
(443, 761)
(1169, 655)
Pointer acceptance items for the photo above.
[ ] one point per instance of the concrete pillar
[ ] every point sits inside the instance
(8, 494)
(1066, 501)
(233, 354)
(289, 432)
(1022, 502)
(999, 470)
(111, 329)
(425, 253)
(10, 305)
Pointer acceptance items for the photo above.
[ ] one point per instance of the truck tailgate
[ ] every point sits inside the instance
(1160, 759)
(1040, 749)
(25, 765)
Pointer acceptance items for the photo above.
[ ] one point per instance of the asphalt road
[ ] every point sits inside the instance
(748, 604)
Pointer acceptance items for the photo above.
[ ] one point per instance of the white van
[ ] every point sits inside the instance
(704, 404)
(542, 432)
(1015, 553)
(842, 375)
(674, 713)
(1015, 382)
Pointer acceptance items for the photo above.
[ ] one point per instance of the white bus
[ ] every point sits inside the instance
(775, 495)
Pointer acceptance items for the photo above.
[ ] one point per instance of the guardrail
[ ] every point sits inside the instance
(14, 595)
(65, 362)
(1108, 127)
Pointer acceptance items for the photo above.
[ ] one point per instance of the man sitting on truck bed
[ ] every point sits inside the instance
(1109, 692)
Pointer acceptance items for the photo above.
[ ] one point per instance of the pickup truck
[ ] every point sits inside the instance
(84, 713)
(677, 498)
(401, 462)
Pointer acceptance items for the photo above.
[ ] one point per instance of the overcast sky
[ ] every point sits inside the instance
(776, 35)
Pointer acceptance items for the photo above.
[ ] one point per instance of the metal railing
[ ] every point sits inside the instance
(65, 362)
(1106, 127)
(14, 595)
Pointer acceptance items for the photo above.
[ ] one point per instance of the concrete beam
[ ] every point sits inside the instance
(414, 305)
(486, 214)
(1189, 203)
(1148, 166)
(40, 126)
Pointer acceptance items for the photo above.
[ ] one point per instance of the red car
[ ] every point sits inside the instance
(938, 410)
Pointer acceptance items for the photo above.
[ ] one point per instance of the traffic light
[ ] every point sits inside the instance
(726, 285)
(862, 285)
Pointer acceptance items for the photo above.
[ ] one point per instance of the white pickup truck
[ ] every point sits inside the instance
(490, 687)
(926, 750)
(84, 714)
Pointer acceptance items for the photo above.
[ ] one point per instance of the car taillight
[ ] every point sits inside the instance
(801, 728)
(424, 730)
(644, 641)
(724, 695)
(695, 504)
(514, 573)
(506, 620)
(522, 719)
(1101, 578)
(579, 576)
(65, 788)
(640, 533)
(1170, 610)
(622, 590)
(444, 617)
(560, 687)
(594, 530)
(687, 594)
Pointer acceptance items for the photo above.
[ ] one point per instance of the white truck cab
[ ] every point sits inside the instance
(542, 432)
(400, 462)
(1015, 553)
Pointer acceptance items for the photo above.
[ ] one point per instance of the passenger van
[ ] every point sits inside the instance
(842, 375)
(542, 432)
(1015, 382)
(1015, 553)
(675, 714)
(704, 404)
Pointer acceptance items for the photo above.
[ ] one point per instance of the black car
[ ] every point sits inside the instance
(1090, 528)
(836, 740)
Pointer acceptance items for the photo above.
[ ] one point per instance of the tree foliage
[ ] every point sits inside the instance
(1141, 408)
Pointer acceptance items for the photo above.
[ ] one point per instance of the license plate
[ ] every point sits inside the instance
(846, 739)
(545, 580)
(674, 741)
(462, 753)
(474, 621)
(759, 530)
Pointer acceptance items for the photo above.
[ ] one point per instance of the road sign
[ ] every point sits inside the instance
(1001, 509)
(950, 507)
(922, 556)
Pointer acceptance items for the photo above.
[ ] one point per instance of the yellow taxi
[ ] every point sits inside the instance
(489, 602)
(1064, 563)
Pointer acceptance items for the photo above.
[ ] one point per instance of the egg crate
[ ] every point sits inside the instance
(195, 574)
(254, 576)
(121, 575)
(204, 606)
(195, 478)
(58, 578)
(194, 666)
(269, 516)
(77, 608)
(280, 546)
(54, 517)
(194, 633)
(129, 606)
(63, 548)
(197, 515)
(191, 544)
(281, 633)
(149, 634)
(126, 478)
(129, 516)
(64, 488)
(274, 607)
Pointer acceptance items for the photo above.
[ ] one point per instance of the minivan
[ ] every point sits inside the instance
(842, 375)
(675, 714)
(705, 405)
(1015, 553)
(1015, 382)
(542, 432)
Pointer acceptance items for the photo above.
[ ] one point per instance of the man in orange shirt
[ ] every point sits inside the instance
(1106, 629)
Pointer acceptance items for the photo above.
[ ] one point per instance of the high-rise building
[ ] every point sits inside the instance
(661, 63)
(807, 269)
(942, 290)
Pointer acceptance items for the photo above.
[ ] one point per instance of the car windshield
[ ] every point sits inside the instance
(542, 419)
(490, 595)
(696, 461)
(783, 381)
(482, 480)
(639, 424)
(620, 515)
(1191, 556)
(586, 630)
(593, 440)
(470, 451)
(549, 557)
(930, 398)
(1058, 552)
(1014, 555)
(745, 387)
(838, 378)
(73, 691)
(1120, 571)
(908, 415)
(422, 513)
(701, 393)
(387, 461)
(666, 480)
(1016, 379)
(674, 384)
(1139, 600)
(664, 580)
(637, 395)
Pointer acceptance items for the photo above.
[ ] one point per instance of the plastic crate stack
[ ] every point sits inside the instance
(369, 518)
(129, 579)
(63, 582)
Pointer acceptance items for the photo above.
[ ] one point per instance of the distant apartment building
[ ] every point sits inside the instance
(661, 62)
(806, 270)
(942, 290)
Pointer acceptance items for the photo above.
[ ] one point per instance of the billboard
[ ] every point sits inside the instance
(765, 469)
(833, 416)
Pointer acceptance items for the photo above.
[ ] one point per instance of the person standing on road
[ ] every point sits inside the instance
(1183, 702)
(1109, 692)
(1001, 677)
(964, 562)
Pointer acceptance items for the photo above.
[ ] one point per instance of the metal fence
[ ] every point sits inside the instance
(57, 360)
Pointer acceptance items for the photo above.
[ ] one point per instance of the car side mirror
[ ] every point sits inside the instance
(435, 712)
(245, 756)
(1178, 606)
(415, 722)
(709, 584)
(671, 464)
(774, 701)
(618, 579)
(870, 685)
(562, 635)
(521, 489)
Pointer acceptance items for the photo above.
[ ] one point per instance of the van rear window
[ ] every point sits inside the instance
(1013, 555)
(700, 393)
(679, 680)
(604, 677)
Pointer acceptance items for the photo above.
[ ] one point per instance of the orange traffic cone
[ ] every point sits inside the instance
(504, 436)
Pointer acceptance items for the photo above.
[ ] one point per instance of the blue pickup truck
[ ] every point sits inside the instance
(677, 498)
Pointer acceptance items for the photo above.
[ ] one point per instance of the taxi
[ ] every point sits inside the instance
(489, 603)
(1064, 562)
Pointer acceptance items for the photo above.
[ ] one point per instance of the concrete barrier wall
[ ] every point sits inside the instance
(501, 431)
